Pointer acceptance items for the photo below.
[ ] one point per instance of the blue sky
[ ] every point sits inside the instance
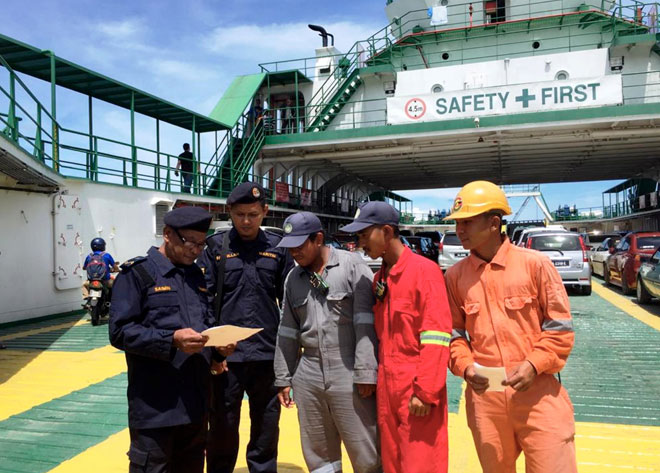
(189, 51)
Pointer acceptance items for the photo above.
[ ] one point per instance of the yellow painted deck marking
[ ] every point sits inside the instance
(30, 378)
(628, 306)
(50, 328)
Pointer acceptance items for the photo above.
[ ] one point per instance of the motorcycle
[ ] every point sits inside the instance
(98, 301)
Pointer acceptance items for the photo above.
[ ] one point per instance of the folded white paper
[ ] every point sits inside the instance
(227, 335)
(495, 376)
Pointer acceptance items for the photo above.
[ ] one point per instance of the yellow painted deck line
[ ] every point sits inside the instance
(628, 306)
(30, 378)
(50, 328)
(600, 448)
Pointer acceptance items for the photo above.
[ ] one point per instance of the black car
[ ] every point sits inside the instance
(424, 246)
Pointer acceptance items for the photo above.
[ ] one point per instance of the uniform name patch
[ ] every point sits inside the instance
(229, 255)
(267, 254)
(162, 288)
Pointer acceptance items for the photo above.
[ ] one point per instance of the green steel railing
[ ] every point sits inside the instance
(75, 154)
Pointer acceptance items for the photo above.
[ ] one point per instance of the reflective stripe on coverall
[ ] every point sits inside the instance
(339, 345)
(511, 310)
(413, 324)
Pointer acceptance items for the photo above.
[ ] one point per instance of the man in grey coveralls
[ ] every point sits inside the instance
(327, 312)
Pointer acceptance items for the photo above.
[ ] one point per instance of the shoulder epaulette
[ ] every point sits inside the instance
(127, 265)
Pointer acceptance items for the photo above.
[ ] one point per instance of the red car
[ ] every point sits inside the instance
(623, 264)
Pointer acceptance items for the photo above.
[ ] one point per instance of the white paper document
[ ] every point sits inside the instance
(228, 334)
(495, 376)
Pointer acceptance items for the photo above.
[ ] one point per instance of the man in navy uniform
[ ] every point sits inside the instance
(159, 309)
(245, 273)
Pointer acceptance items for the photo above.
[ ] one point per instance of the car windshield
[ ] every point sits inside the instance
(451, 239)
(599, 238)
(556, 243)
(648, 243)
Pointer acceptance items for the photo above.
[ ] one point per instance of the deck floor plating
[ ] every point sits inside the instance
(63, 404)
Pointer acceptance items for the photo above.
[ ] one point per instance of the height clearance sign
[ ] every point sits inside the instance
(520, 98)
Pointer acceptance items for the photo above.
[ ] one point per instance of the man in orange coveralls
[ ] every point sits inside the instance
(510, 309)
(413, 324)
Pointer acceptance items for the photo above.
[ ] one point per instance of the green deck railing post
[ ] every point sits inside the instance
(134, 167)
(11, 118)
(53, 113)
(199, 164)
(168, 181)
(157, 177)
(90, 155)
(95, 161)
(195, 157)
(38, 145)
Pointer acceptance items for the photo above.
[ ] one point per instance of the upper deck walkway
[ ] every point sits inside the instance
(63, 402)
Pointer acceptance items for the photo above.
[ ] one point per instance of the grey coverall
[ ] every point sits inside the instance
(339, 347)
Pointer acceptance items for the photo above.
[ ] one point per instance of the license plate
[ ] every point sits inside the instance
(460, 255)
(95, 293)
(559, 263)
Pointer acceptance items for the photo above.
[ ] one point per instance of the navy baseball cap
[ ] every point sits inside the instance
(298, 227)
(247, 193)
(193, 218)
(373, 213)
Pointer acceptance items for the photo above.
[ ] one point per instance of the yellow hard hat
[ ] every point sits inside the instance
(478, 197)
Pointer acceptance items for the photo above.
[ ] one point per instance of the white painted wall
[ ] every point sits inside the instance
(124, 217)
(579, 64)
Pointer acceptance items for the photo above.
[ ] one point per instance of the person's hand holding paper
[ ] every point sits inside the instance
(226, 335)
(483, 378)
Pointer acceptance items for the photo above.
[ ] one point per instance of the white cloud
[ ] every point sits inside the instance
(281, 40)
(128, 30)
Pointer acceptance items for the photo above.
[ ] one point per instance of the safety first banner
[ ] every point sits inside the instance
(520, 98)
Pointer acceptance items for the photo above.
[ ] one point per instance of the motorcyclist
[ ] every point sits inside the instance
(98, 248)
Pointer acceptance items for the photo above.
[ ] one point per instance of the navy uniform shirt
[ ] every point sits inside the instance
(166, 387)
(255, 272)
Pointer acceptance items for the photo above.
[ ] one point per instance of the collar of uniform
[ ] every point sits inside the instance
(163, 264)
(400, 265)
(499, 259)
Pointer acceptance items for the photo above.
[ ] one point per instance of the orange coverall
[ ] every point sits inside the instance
(511, 310)
(413, 325)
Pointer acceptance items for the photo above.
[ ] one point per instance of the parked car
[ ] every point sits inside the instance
(648, 279)
(424, 246)
(347, 240)
(434, 235)
(594, 240)
(451, 250)
(524, 235)
(568, 253)
(598, 256)
(623, 264)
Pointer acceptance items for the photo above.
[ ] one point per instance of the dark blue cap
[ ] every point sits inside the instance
(193, 218)
(247, 193)
(373, 213)
(298, 227)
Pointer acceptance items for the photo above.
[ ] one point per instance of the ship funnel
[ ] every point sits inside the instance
(323, 34)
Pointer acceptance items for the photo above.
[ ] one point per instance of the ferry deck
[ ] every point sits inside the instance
(63, 403)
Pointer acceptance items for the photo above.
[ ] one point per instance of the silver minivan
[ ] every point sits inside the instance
(451, 250)
(568, 253)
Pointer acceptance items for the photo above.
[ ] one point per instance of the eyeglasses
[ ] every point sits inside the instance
(190, 244)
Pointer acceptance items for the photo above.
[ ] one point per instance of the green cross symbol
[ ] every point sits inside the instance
(525, 98)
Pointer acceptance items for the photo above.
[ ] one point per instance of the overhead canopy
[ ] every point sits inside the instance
(37, 63)
(287, 77)
(237, 97)
(646, 185)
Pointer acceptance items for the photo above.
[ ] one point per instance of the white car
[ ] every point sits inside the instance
(598, 256)
(522, 240)
(451, 250)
